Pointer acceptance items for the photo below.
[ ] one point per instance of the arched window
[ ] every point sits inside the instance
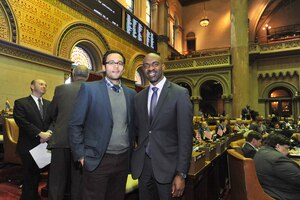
(130, 5)
(81, 57)
(185, 85)
(175, 25)
(148, 13)
(191, 42)
(280, 99)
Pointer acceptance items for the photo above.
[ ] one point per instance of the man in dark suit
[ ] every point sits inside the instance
(253, 142)
(62, 164)
(278, 175)
(30, 114)
(101, 131)
(164, 127)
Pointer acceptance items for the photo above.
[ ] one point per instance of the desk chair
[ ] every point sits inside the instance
(11, 135)
(243, 178)
(11, 158)
(237, 145)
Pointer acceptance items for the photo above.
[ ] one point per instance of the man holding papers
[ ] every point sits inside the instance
(30, 115)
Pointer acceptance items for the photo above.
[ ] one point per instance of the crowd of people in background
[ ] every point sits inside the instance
(268, 141)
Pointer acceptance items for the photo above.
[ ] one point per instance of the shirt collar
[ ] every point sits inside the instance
(159, 85)
(36, 98)
(109, 84)
(252, 146)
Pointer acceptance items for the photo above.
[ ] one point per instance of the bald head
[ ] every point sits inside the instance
(80, 73)
(154, 56)
(38, 87)
(153, 68)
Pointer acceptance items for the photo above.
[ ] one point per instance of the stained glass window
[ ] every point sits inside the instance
(81, 57)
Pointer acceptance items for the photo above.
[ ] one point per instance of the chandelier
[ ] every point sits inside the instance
(204, 21)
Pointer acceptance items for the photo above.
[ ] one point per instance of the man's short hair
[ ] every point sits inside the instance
(274, 139)
(111, 52)
(222, 119)
(80, 71)
(253, 135)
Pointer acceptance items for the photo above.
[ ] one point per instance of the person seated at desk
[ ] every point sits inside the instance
(221, 128)
(278, 175)
(258, 126)
(239, 126)
(253, 142)
(205, 133)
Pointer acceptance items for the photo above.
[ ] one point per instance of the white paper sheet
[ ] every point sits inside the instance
(41, 155)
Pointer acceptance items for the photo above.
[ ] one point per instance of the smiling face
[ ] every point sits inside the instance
(153, 68)
(38, 87)
(114, 67)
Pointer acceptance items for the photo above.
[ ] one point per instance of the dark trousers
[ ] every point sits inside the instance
(149, 188)
(108, 180)
(63, 171)
(31, 177)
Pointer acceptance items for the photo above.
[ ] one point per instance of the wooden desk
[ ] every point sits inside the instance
(296, 159)
(208, 182)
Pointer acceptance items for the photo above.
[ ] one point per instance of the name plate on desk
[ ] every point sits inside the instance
(210, 151)
(197, 162)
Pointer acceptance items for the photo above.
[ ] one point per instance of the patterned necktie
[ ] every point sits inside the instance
(153, 102)
(41, 108)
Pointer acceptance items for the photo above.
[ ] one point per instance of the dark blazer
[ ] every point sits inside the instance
(91, 122)
(30, 122)
(170, 133)
(278, 175)
(248, 150)
(60, 110)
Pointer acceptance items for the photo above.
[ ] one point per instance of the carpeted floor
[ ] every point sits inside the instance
(10, 181)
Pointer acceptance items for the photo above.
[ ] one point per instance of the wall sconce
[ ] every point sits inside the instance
(204, 21)
(267, 28)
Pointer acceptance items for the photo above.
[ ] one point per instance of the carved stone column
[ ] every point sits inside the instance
(163, 40)
(162, 18)
(228, 105)
(240, 55)
(196, 100)
(154, 12)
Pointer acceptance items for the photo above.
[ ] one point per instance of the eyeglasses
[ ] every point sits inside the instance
(111, 62)
(154, 64)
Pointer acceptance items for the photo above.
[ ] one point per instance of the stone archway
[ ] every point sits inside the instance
(223, 102)
(9, 27)
(133, 65)
(276, 105)
(83, 35)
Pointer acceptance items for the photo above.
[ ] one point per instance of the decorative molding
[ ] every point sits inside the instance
(8, 25)
(199, 63)
(274, 47)
(277, 74)
(76, 33)
(23, 53)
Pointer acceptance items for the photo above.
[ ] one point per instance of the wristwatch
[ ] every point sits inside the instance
(183, 175)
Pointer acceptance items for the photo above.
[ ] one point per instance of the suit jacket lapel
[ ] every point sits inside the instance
(126, 93)
(103, 94)
(162, 97)
(144, 99)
